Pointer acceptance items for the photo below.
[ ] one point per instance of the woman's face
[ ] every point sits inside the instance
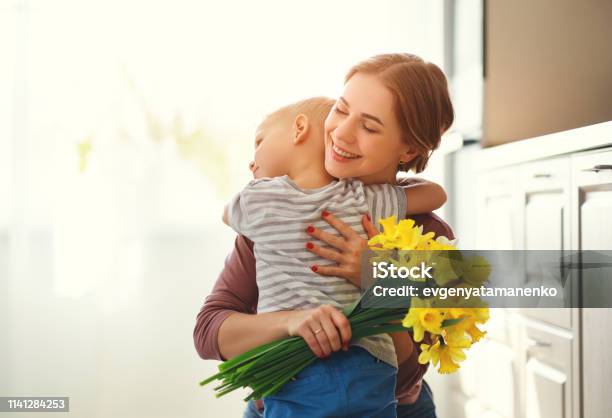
(362, 134)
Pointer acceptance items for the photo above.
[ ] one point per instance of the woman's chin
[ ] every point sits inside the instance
(337, 170)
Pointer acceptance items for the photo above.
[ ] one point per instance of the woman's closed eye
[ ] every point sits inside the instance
(340, 111)
(368, 129)
(364, 125)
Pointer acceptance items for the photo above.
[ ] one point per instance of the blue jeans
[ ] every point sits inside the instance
(423, 407)
(349, 383)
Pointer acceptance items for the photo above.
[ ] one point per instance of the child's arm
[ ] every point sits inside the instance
(236, 213)
(424, 196)
(242, 212)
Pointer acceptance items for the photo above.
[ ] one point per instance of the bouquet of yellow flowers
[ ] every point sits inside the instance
(452, 326)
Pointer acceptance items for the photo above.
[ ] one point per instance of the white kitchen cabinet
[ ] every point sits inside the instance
(592, 220)
(546, 203)
(552, 193)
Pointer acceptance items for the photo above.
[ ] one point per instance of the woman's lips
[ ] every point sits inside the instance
(342, 155)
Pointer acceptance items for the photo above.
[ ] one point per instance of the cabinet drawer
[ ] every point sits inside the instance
(592, 168)
(551, 347)
(547, 175)
(561, 317)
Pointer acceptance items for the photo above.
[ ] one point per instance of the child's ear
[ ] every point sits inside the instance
(301, 128)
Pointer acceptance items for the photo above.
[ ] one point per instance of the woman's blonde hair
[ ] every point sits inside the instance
(422, 101)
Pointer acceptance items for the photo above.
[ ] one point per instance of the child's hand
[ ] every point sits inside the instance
(349, 247)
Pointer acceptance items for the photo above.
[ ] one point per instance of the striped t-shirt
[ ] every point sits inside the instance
(274, 213)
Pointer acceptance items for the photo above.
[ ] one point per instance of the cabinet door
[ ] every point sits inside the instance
(546, 390)
(498, 215)
(548, 372)
(546, 200)
(489, 375)
(592, 222)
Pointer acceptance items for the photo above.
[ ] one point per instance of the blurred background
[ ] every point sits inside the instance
(125, 126)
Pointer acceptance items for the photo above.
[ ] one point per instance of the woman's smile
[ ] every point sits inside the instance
(340, 154)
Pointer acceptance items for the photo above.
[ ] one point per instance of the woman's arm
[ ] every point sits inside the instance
(233, 292)
(242, 332)
(228, 325)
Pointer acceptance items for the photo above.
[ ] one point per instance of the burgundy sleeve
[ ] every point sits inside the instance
(432, 223)
(234, 291)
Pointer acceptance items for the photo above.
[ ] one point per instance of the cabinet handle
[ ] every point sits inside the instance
(599, 167)
(542, 176)
(537, 343)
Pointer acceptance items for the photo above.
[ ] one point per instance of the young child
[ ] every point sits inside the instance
(290, 192)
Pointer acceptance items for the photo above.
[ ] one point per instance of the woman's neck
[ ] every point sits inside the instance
(379, 178)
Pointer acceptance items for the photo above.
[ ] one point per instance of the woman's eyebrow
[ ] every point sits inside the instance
(372, 117)
(363, 115)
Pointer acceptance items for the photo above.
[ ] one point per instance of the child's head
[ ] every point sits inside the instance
(390, 117)
(291, 138)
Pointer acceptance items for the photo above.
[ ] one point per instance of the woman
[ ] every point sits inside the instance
(391, 116)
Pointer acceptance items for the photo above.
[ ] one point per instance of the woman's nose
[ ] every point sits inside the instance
(252, 166)
(345, 131)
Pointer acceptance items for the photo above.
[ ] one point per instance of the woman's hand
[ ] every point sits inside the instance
(325, 329)
(347, 248)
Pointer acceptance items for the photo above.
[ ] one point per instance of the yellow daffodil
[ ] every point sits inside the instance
(476, 270)
(427, 350)
(451, 321)
(447, 268)
(447, 354)
(441, 243)
(400, 236)
(469, 318)
(424, 319)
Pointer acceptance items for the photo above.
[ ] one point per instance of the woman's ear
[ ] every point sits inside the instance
(408, 155)
(301, 128)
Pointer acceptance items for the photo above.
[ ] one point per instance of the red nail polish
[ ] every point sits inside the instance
(310, 229)
(314, 268)
(325, 213)
(368, 216)
(309, 245)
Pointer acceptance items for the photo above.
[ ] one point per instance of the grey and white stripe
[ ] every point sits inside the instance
(274, 213)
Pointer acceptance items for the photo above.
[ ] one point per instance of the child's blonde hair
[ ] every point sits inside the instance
(315, 108)
(422, 102)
